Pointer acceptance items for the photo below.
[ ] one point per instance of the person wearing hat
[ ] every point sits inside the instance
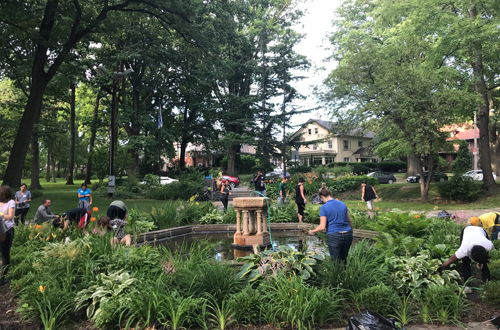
(488, 220)
(474, 245)
(224, 190)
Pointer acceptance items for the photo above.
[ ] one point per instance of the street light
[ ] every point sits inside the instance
(116, 76)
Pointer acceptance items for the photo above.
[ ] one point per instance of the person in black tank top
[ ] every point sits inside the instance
(224, 190)
(368, 194)
(300, 198)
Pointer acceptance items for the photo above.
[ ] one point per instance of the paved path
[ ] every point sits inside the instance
(464, 214)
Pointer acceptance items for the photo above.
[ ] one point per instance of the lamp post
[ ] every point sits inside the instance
(474, 150)
(116, 76)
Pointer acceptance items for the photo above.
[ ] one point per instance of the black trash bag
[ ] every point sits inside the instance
(444, 215)
(316, 199)
(368, 320)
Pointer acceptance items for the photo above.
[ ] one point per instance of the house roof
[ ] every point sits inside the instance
(464, 135)
(328, 126)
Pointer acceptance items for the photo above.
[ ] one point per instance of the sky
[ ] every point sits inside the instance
(316, 24)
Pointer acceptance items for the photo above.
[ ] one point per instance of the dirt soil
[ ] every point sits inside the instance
(9, 319)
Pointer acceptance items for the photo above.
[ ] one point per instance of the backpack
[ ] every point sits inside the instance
(444, 215)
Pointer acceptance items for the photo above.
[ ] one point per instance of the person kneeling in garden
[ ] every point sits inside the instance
(475, 245)
(118, 226)
(488, 220)
(80, 216)
(334, 217)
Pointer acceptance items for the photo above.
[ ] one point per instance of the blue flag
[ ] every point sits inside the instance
(160, 119)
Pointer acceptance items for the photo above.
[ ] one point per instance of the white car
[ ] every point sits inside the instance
(164, 180)
(477, 175)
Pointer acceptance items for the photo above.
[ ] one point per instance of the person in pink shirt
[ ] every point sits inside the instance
(7, 211)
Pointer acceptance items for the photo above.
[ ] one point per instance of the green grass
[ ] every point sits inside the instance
(64, 197)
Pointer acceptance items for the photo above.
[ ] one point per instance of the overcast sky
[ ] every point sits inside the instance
(316, 24)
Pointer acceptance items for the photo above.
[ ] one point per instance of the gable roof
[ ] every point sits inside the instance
(327, 125)
(464, 135)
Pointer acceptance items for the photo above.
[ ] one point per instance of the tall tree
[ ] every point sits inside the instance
(386, 70)
(42, 34)
(73, 135)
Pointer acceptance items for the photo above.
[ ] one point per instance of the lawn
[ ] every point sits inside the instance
(64, 197)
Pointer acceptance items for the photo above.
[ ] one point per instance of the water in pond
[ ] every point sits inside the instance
(296, 239)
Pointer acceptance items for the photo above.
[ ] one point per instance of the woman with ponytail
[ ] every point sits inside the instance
(335, 218)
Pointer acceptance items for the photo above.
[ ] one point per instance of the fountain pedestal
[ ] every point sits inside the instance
(251, 225)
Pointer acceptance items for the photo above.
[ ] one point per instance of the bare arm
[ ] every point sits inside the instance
(222, 189)
(349, 220)
(363, 193)
(375, 192)
(452, 259)
(9, 215)
(302, 193)
(90, 196)
(322, 226)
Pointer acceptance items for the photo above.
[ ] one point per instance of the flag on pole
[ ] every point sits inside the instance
(160, 119)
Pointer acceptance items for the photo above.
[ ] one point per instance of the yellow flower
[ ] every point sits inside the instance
(435, 207)
(48, 238)
(90, 251)
(95, 209)
(54, 235)
(417, 216)
(41, 288)
(88, 246)
(197, 203)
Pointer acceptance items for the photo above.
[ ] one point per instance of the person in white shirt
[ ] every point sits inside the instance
(474, 245)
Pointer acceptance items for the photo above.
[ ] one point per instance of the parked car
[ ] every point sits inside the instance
(383, 177)
(164, 180)
(437, 176)
(276, 173)
(477, 175)
(233, 181)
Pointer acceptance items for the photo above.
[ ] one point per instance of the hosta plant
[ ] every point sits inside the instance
(416, 274)
(106, 288)
(285, 260)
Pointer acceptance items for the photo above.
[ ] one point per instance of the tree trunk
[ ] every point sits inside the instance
(489, 186)
(93, 132)
(231, 159)
(35, 161)
(182, 156)
(47, 177)
(413, 163)
(425, 184)
(14, 171)
(73, 136)
(53, 167)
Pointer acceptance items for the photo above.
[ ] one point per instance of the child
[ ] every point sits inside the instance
(118, 226)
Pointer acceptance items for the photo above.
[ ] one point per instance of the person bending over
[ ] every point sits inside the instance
(488, 220)
(79, 216)
(117, 210)
(334, 217)
(474, 245)
(118, 227)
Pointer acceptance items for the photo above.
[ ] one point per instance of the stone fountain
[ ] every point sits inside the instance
(253, 234)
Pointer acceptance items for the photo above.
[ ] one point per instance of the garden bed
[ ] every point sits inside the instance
(89, 281)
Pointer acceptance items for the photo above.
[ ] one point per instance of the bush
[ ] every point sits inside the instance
(380, 298)
(494, 266)
(445, 303)
(391, 166)
(360, 169)
(460, 188)
(491, 294)
(301, 169)
(175, 190)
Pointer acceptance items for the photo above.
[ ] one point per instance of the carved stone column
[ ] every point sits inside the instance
(259, 222)
(245, 222)
(264, 220)
(238, 222)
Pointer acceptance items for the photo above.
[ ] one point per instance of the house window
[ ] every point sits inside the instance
(329, 160)
(317, 161)
(374, 160)
(360, 144)
(330, 144)
(316, 130)
(347, 159)
(346, 145)
(315, 147)
(309, 131)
